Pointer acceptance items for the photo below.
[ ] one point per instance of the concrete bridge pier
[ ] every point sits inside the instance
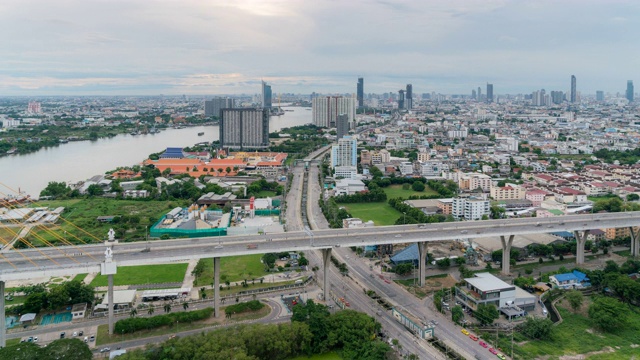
(3, 329)
(326, 257)
(635, 242)
(581, 238)
(506, 253)
(110, 300)
(422, 262)
(216, 286)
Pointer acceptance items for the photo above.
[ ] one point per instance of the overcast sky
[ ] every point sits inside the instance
(87, 47)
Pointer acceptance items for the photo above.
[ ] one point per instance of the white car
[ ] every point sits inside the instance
(75, 333)
(35, 339)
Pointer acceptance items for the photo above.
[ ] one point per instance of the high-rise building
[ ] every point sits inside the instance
(342, 126)
(573, 89)
(489, 93)
(400, 99)
(473, 94)
(345, 152)
(360, 93)
(599, 95)
(630, 90)
(327, 108)
(244, 128)
(266, 95)
(34, 107)
(557, 97)
(214, 106)
(409, 97)
(479, 93)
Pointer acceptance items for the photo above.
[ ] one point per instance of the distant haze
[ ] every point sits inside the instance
(89, 47)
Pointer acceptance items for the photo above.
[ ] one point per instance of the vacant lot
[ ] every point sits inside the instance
(396, 191)
(576, 335)
(232, 269)
(380, 212)
(79, 225)
(145, 274)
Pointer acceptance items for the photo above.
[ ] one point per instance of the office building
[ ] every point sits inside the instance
(342, 126)
(400, 99)
(360, 93)
(409, 97)
(344, 153)
(489, 93)
(479, 93)
(244, 128)
(630, 90)
(573, 89)
(599, 95)
(266, 96)
(214, 106)
(473, 94)
(557, 97)
(325, 110)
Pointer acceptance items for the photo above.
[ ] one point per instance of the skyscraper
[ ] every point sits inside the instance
(244, 128)
(473, 94)
(266, 95)
(409, 98)
(342, 126)
(360, 93)
(479, 93)
(600, 95)
(214, 106)
(557, 97)
(573, 89)
(400, 99)
(630, 90)
(327, 108)
(489, 93)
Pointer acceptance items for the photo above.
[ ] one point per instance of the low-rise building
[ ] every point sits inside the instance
(487, 289)
(349, 187)
(470, 208)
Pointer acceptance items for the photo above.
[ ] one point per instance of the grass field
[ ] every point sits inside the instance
(265, 193)
(604, 197)
(82, 213)
(79, 277)
(380, 212)
(7, 233)
(576, 336)
(325, 356)
(233, 268)
(103, 336)
(396, 191)
(252, 286)
(144, 274)
(13, 341)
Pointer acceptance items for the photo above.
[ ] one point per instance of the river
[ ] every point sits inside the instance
(76, 161)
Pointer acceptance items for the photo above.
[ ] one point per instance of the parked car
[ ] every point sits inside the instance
(92, 338)
(493, 351)
(483, 344)
(35, 339)
(80, 333)
(473, 337)
(104, 350)
(501, 357)
(464, 331)
(62, 334)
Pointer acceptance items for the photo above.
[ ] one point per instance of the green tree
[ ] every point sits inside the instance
(36, 302)
(94, 190)
(167, 307)
(185, 305)
(633, 197)
(151, 310)
(68, 349)
(56, 190)
(608, 313)
(575, 299)
(457, 314)
(486, 314)
(537, 328)
(418, 186)
(404, 269)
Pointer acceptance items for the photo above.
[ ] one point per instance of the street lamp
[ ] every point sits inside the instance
(404, 218)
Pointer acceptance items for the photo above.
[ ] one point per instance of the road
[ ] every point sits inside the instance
(41, 262)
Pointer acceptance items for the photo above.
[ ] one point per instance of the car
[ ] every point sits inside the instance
(30, 339)
(104, 350)
(473, 337)
(483, 344)
(92, 338)
(464, 331)
(493, 351)
(75, 333)
(80, 333)
(23, 340)
(501, 357)
(218, 247)
(62, 334)
(172, 337)
(35, 339)
(86, 339)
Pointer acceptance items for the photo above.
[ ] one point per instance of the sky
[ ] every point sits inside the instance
(207, 47)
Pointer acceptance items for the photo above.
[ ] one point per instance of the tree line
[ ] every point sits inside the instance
(39, 297)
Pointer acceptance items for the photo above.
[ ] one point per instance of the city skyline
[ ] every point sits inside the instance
(141, 48)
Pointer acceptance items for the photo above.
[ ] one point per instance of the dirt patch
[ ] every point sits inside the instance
(435, 284)
(606, 350)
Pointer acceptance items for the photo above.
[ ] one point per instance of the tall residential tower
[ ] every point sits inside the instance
(244, 128)
(266, 96)
(630, 90)
(360, 93)
(573, 89)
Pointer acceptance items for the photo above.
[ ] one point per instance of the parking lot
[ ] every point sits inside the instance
(80, 333)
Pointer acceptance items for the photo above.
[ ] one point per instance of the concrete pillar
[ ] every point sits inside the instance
(3, 330)
(216, 286)
(581, 238)
(506, 254)
(110, 301)
(635, 242)
(326, 257)
(422, 262)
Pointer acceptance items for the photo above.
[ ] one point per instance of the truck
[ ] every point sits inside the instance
(252, 246)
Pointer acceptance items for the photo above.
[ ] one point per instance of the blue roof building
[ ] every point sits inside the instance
(172, 153)
(407, 255)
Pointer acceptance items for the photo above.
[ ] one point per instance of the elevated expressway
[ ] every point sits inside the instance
(76, 260)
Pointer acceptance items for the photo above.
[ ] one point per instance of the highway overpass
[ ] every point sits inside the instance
(70, 260)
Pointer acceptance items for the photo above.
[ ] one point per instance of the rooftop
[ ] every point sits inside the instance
(487, 282)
